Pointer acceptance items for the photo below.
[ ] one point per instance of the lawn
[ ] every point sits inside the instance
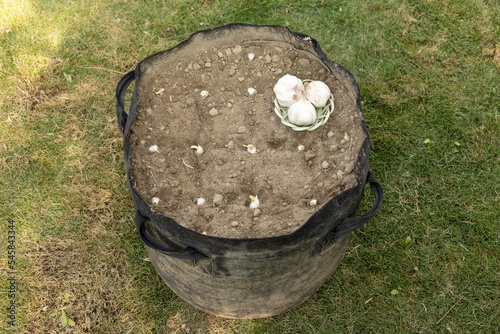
(429, 74)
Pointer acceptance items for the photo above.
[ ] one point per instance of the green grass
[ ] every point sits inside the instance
(427, 69)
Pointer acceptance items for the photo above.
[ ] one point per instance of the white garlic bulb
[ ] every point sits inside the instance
(302, 113)
(289, 89)
(318, 93)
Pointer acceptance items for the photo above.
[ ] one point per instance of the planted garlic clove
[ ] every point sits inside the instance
(200, 201)
(301, 147)
(250, 148)
(251, 56)
(204, 93)
(313, 202)
(255, 202)
(289, 89)
(318, 93)
(198, 149)
(252, 91)
(302, 113)
(155, 200)
(154, 148)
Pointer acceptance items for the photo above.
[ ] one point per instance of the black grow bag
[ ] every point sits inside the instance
(248, 278)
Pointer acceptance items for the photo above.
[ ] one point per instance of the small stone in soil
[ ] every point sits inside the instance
(349, 168)
(234, 223)
(241, 129)
(237, 49)
(334, 148)
(325, 164)
(213, 112)
(340, 174)
(330, 134)
(257, 212)
(304, 61)
(218, 198)
(230, 145)
(310, 155)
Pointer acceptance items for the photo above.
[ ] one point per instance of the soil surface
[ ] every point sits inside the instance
(174, 115)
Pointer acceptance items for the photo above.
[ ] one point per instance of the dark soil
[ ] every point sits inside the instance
(173, 115)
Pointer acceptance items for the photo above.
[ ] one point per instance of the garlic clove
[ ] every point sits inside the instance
(204, 93)
(255, 202)
(154, 148)
(155, 200)
(302, 113)
(301, 147)
(252, 91)
(200, 201)
(318, 93)
(251, 56)
(289, 89)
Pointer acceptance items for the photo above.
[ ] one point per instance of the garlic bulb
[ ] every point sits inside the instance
(302, 113)
(289, 89)
(318, 93)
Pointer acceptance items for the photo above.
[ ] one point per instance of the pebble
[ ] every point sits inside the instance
(232, 72)
(230, 145)
(162, 128)
(310, 155)
(234, 223)
(218, 198)
(208, 64)
(196, 66)
(340, 175)
(257, 212)
(325, 164)
(330, 134)
(237, 49)
(268, 58)
(278, 49)
(349, 168)
(229, 52)
(275, 58)
(334, 148)
(213, 112)
(229, 104)
(241, 129)
(149, 111)
(304, 61)
(240, 79)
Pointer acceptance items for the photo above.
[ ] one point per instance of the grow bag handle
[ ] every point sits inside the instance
(121, 89)
(188, 253)
(351, 223)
